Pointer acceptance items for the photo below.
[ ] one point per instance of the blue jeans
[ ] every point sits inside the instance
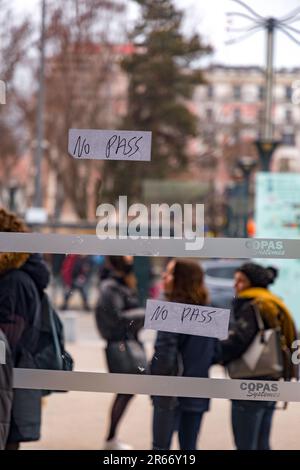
(251, 424)
(166, 422)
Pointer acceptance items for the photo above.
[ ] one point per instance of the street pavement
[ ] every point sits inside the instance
(79, 420)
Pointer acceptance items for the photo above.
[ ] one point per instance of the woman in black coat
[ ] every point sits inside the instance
(252, 420)
(23, 277)
(119, 319)
(184, 355)
(6, 392)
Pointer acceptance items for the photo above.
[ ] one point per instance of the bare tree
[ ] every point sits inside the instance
(14, 39)
(80, 67)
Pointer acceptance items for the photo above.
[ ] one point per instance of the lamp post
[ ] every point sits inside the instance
(246, 165)
(267, 144)
(208, 161)
(38, 197)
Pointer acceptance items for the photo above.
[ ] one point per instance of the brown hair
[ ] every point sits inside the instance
(188, 286)
(10, 222)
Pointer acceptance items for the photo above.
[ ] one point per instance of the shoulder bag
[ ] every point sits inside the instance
(263, 358)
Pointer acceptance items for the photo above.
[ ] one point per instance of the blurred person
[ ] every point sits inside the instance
(143, 270)
(119, 319)
(76, 273)
(6, 392)
(105, 270)
(23, 277)
(252, 420)
(183, 355)
(56, 263)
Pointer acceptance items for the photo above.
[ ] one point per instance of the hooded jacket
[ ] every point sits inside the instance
(22, 279)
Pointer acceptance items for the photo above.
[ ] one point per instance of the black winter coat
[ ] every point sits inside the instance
(187, 356)
(243, 331)
(118, 314)
(19, 306)
(6, 392)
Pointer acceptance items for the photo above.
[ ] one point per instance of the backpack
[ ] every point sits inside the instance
(274, 318)
(50, 352)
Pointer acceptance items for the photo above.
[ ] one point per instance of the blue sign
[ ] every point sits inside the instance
(277, 215)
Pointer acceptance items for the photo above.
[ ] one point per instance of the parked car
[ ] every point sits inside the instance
(219, 279)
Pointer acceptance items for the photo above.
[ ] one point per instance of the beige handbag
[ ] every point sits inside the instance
(263, 358)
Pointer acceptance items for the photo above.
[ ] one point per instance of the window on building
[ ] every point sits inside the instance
(210, 91)
(209, 114)
(210, 137)
(261, 93)
(236, 136)
(237, 92)
(237, 114)
(288, 92)
(288, 139)
(260, 116)
(288, 116)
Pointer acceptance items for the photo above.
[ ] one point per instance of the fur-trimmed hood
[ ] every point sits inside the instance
(33, 265)
(9, 261)
(10, 222)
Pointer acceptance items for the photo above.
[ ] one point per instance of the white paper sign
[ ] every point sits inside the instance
(2, 353)
(188, 319)
(110, 145)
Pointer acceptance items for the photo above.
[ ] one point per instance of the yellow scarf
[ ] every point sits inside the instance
(270, 306)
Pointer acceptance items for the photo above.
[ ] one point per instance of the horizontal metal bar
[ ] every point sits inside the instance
(91, 245)
(157, 385)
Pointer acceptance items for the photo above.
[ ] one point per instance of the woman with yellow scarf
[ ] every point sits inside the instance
(252, 420)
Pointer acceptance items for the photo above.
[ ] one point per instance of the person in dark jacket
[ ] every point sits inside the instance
(23, 277)
(6, 391)
(76, 274)
(252, 420)
(181, 354)
(119, 319)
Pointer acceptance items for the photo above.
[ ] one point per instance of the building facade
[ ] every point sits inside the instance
(231, 109)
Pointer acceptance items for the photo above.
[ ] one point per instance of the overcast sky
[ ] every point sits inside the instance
(208, 17)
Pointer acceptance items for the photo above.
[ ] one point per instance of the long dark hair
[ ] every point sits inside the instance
(118, 263)
(188, 284)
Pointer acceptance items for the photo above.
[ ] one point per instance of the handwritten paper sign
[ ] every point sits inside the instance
(110, 145)
(2, 353)
(188, 319)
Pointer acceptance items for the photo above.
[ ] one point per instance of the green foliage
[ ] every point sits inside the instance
(162, 79)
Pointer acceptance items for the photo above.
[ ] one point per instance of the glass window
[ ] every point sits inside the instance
(288, 116)
(237, 114)
(288, 92)
(209, 114)
(237, 92)
(210, 91)
(261, 93)
(288, 138)
(224, 272)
